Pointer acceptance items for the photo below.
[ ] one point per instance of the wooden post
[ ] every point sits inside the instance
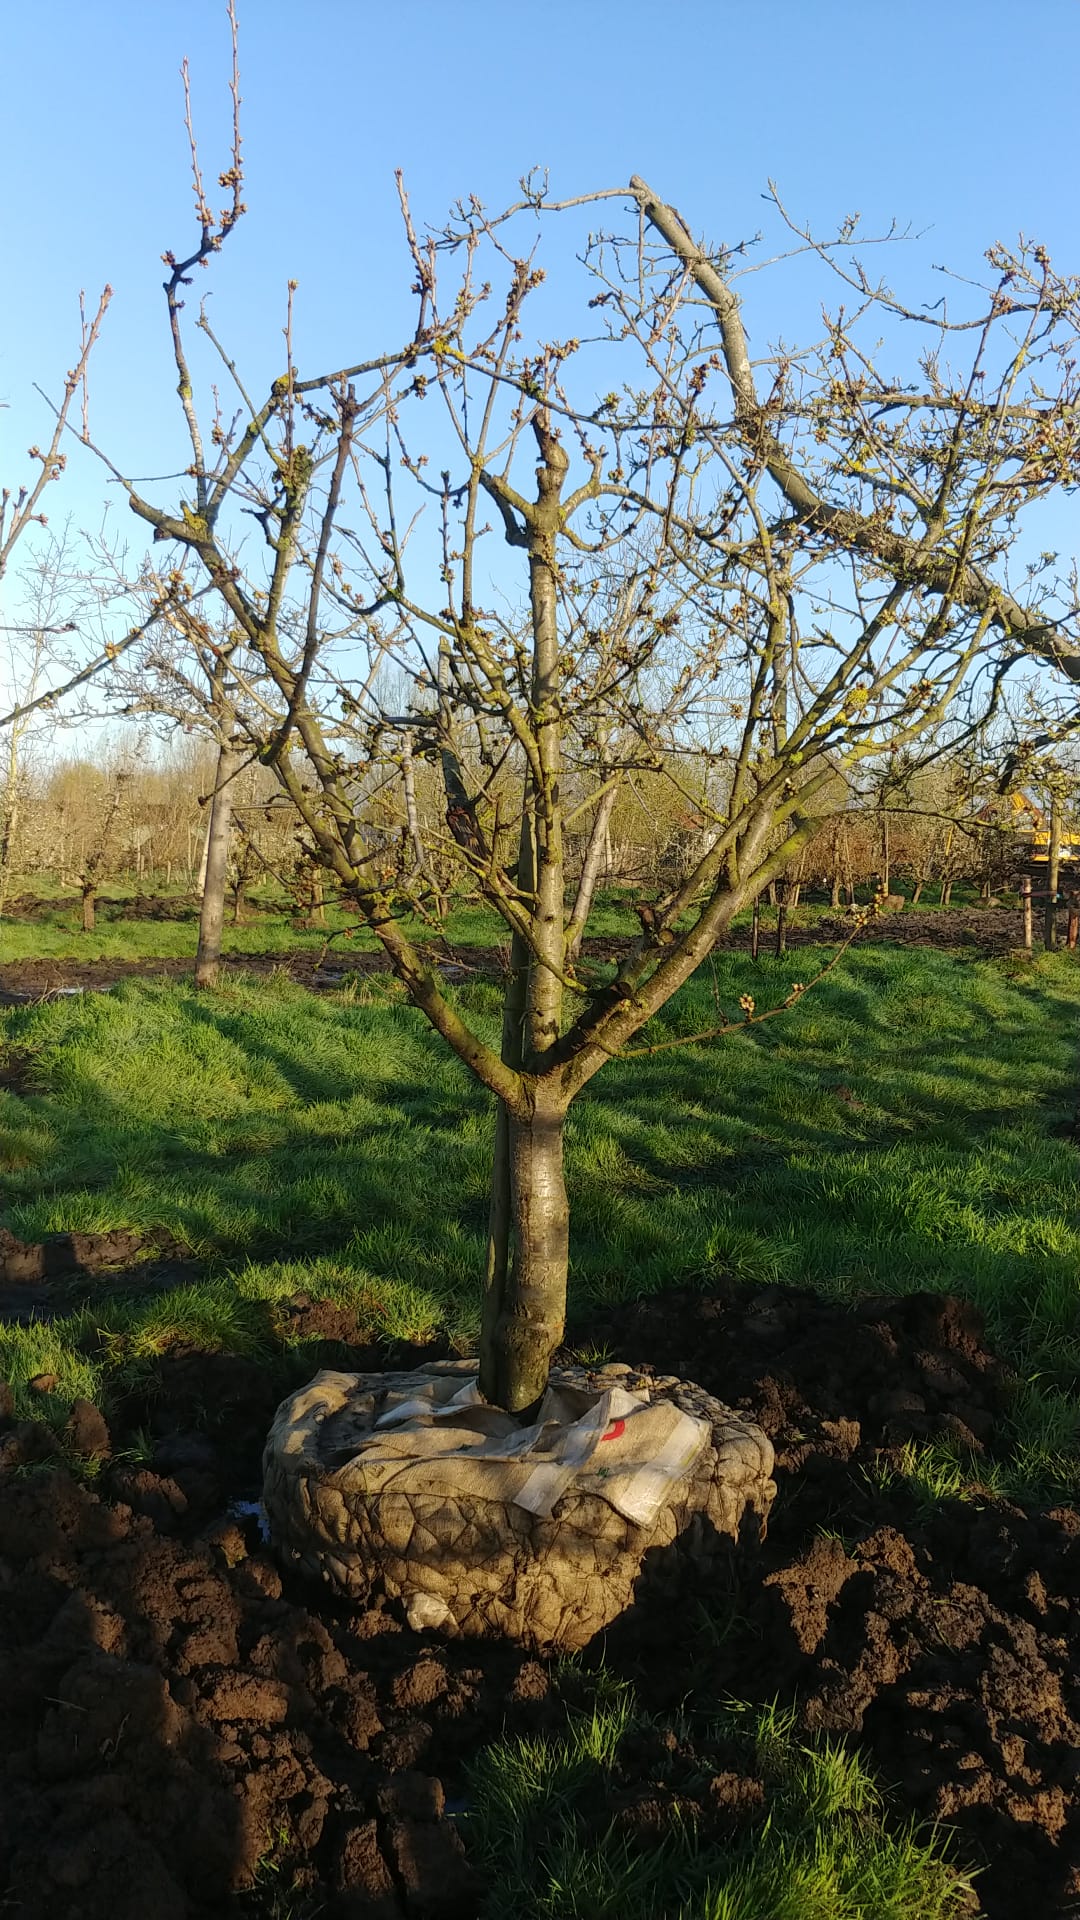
(781, 919)
(1025, 902)
(1074, 923)
(1053, 874)
(755, 929)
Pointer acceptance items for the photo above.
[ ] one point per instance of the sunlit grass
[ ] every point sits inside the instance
(901, 1128)
(820, 1847)
(270, 925)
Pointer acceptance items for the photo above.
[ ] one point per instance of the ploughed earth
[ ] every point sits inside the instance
(985, 929)
(185, 1733)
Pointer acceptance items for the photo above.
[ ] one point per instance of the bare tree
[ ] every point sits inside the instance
(192, 674)
(805, 581)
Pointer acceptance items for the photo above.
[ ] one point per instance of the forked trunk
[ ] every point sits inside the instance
(212, 914)
(525, 1297)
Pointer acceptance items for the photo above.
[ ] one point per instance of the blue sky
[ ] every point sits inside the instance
(954, 117)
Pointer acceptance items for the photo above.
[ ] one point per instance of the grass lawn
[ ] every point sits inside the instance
(269, 926)
(904, 1127)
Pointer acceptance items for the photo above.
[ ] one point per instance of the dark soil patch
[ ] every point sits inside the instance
(15, 1073)
(44, 1278)
(138, 906)
(983, 929)
(177, 1720)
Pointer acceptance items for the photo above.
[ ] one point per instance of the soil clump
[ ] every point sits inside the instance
(186, 1733)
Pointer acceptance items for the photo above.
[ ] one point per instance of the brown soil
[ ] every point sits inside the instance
(981, 929)
(175, 1718)
(138, 906)
(42, 1278)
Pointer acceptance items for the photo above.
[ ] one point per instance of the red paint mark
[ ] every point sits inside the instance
(614, 1432)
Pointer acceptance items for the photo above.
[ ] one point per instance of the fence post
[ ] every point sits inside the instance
(755, 928)
(1053, 874)
(1025, 901)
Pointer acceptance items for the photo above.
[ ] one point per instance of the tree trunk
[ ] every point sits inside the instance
(89, 901)
(7, 841)
(212, 914)
(597, 853)
(524, 1317)
(917, 893)
(525, 1294)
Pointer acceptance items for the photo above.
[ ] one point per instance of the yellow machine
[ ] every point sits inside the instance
(1036, 833)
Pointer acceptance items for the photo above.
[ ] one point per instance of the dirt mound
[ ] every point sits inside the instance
(160, 1681)
(41, 1278)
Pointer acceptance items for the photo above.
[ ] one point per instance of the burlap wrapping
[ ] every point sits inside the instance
(411, 1484)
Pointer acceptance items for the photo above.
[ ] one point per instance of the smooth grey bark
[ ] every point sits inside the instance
(596, 853)
(412, 812)
(10, 827)
(212, 911)
(525, 1317)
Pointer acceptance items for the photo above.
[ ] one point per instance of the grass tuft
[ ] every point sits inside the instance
(819, 1846)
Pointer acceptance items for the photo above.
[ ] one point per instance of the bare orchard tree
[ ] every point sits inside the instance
(596, 559)
(193, 673)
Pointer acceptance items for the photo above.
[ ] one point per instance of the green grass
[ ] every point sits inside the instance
(269, 927)
(820, 1848)
(901, 1128)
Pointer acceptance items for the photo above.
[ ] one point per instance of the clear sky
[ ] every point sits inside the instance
(956, 116)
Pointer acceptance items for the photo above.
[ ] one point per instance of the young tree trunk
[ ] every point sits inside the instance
(597, 852)
(412, 811)
(9, 832)
(524, 1318)
(212, 914)
(89, 902)
(525, 1292)
(916, 894)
